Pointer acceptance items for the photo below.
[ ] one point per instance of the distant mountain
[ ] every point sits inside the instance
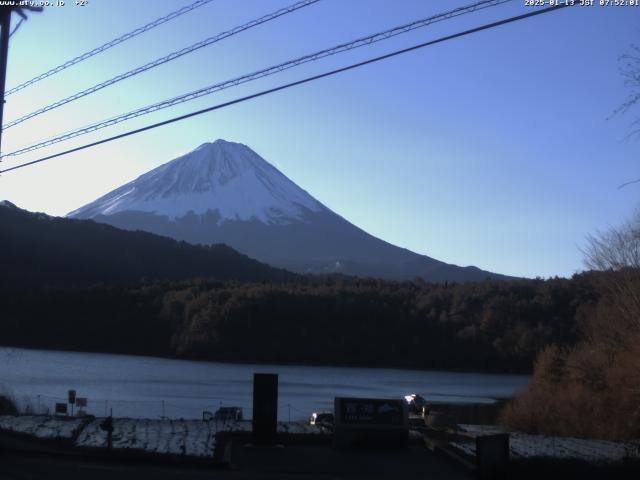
(223, 192)
(39, 250)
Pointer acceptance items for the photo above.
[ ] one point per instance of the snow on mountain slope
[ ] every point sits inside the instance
(224, 176)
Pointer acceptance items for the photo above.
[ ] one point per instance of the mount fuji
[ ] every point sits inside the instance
(223, 192)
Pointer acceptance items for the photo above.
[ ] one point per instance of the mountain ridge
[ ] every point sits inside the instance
(42, 251)
(224, 192)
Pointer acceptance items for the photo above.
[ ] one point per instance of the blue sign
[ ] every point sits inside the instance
(371, 411)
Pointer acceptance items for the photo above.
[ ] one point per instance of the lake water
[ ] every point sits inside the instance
(150, 387)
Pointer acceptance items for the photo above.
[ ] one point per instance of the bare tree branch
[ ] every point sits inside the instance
(637, 180)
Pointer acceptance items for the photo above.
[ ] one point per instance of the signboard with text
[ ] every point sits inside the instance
(376, 412)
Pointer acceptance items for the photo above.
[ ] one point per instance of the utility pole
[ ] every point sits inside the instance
(5, 19)
(5, 33)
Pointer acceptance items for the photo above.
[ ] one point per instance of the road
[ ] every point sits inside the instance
(318, 463)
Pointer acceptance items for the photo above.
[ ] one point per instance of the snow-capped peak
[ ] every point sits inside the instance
(8, 204)
(222, 176)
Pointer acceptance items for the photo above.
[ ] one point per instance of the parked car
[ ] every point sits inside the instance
(416, 403)
(321, 419)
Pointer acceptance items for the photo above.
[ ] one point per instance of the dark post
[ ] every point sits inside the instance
(492, 456)
(265, 408)
(5, 19)
(72, 399)
(107, 426)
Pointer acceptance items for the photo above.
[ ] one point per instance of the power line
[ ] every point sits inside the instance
(363, 41)
(293, 84)
(108, 45)
(167, 58)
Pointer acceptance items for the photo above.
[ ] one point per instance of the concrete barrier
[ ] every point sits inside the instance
(370, 422)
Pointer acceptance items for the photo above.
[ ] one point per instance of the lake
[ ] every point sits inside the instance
(150, 387)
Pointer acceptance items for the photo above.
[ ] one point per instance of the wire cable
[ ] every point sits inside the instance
(108, 45)
(360, 42)
(167, 58)
(293, 84)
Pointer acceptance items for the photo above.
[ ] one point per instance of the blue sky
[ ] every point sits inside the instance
(497, 149)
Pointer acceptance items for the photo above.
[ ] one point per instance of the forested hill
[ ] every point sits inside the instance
(79, 285)
(485, 326)
(39, 250)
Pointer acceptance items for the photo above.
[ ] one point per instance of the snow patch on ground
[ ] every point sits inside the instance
(193, 438)
(299, 428)
(41, 426)
(523, 445)
(176, 437)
